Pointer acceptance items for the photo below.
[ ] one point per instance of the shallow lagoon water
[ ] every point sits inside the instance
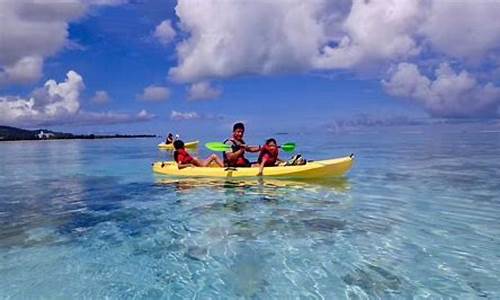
(417, 217)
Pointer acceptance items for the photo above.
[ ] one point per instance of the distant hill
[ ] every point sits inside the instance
(8, 133)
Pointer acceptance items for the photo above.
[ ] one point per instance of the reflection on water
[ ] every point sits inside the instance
(339, 184)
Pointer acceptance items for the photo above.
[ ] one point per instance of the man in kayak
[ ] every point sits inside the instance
(236, 156)
(184, 159)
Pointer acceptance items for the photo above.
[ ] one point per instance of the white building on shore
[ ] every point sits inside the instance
(42, 135)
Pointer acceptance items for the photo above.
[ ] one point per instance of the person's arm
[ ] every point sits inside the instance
(261, 166)
(233, 155)
(252, 149)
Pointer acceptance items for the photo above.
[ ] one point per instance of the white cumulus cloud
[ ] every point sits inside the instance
(106, 2)
(263, 37)
(101, 97)
(465, 29)
(449, 94)
(58, 103)
(31, 31)
(184, 116)
(203, 91)
(231, 38)
(246, 37)
(54, 100)
(27, 69)
(178, 116)
(164, 32)
(374, 31)
(155, 93)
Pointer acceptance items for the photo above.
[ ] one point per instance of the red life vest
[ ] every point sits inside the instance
(271, 155)
(241, 161)
(181, 156)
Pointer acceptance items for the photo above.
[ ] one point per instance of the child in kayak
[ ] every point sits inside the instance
(170, 138)
(268, 156)
(184, 159)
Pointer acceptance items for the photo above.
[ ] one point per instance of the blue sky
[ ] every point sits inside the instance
(189, 65)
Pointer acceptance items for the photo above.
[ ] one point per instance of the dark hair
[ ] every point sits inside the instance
(238, 125)
(178, 144)
(271, 140)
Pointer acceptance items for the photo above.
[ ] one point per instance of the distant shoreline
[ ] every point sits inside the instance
(83, 137)
(9, 134)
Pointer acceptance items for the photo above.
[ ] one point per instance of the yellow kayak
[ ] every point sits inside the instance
(190, 145)
(321, 168)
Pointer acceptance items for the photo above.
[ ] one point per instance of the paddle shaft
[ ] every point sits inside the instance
(221, 147)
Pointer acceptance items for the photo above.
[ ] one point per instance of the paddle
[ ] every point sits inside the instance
(288, 147)
(221, 147)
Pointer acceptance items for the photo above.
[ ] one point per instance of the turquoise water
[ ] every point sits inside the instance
(417, 217)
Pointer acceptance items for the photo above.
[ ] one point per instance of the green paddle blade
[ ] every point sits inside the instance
(288, 147)
(221, 147)
(217, 146)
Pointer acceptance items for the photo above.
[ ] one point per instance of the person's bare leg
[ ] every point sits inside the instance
(217, 160)
(196, 162)
(212, 158)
